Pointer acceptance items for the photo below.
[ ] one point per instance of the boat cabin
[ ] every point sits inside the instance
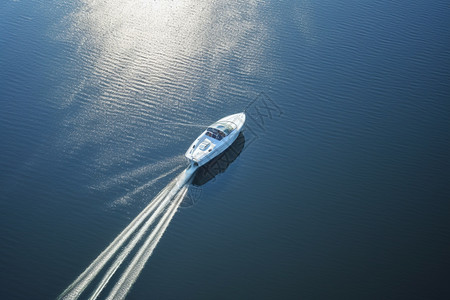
(219, 130)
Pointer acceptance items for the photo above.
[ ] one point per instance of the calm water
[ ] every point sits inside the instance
(339, 192)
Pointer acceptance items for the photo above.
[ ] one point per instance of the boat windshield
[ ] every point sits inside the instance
(220, 130)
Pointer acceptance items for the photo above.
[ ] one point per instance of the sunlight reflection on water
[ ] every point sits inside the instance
(147, 62)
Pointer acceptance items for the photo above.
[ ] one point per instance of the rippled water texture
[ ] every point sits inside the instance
(338, 188)
(157, 62)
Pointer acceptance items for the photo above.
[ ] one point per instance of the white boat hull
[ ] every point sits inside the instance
(215, 139)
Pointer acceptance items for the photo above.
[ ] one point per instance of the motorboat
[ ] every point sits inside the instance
(220, 163)
(215, 139)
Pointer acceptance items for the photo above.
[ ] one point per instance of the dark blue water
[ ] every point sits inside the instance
(340, 191)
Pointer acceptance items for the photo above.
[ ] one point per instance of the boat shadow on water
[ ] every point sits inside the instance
(219, 164)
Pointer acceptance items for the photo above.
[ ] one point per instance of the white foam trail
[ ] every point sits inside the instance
(80, 284)
(141, 171)
(130, 246)
(123, 200)
(175, 190)
(188, 124)
(133, 270)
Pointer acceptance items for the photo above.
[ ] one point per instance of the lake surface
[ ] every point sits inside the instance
(339, 190)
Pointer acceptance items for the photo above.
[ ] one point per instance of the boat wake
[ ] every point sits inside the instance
(139, 238)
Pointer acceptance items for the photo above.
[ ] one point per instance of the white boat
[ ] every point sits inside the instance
(215, 139)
